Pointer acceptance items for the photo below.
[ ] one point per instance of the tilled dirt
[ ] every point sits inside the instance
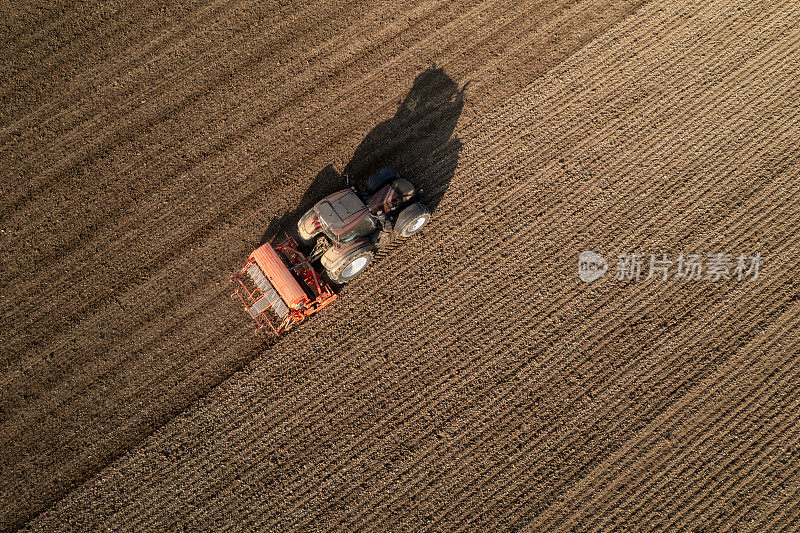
(469, 379)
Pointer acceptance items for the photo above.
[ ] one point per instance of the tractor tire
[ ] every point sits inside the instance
(379, 179)
(304, 231)
(411, 219)
(350, 264)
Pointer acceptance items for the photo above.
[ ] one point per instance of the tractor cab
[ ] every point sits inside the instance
(343, 217)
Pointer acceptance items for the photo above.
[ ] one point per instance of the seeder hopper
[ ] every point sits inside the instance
(279, 288)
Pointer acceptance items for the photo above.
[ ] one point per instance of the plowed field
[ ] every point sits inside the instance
(470, 378)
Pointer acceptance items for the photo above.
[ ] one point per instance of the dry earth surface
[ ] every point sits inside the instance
(470, 378)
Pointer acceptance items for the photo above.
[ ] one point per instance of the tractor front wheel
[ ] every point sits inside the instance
(379, 179)
(411, 220)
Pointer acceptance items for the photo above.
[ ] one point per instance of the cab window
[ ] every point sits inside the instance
(364, 227)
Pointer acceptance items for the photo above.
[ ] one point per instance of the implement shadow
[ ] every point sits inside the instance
(417, 141)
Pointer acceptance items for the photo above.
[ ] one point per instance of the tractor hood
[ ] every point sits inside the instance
(341, 211)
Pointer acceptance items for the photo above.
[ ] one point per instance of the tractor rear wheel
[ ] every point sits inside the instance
(351, 264)
(306, 228)
(411, 220)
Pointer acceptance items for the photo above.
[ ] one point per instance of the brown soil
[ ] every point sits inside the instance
(469, 378)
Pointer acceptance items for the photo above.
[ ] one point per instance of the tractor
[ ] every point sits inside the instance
(349, 226)
(280, 287)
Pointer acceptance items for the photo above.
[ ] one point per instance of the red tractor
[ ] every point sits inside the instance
(279, 287)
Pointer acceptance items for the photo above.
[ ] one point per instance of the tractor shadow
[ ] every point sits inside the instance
(418, 141)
